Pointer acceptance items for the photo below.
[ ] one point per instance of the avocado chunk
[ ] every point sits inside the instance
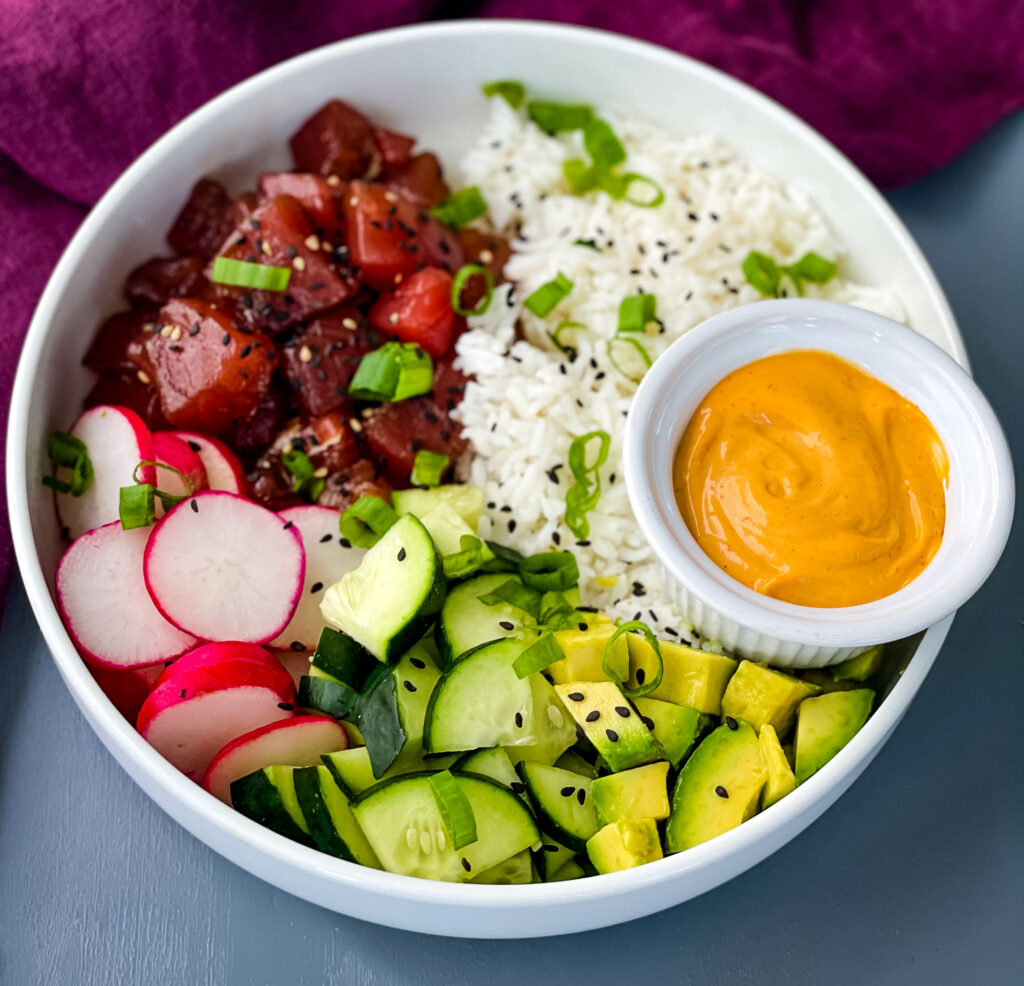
(718, 788)
(676, 727)
(622, 845)
(632, 794)
(861, 667)
(691, 677)
(761, 695)
(584, 655)
(780, 775)
(562, 803)
(515, 869)
(607, 719)
(826, 724)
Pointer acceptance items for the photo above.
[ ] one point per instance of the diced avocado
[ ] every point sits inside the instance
(584, 655)
(551, 857)
(691, 677)
(447, 529)
(570, 871)
(571, 760)
(604, 714)
(861, 667)
(621, 845)
(466, 499)
(632, 794)
(826, 724)
(822, 678)
(761, 695)
(718, 788)
(780, 780)
(515, 869)
(677, 728)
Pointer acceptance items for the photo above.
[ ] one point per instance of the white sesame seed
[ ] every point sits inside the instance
(355, 424)
(486, 256)
(326, 247)
(148, 327)
(166, 331)
(398, 279)
(299, 264)
(393, 318)
(350, 323)
(305, 354)
(176, 333)
(390, 196)
(143, 376)
(313, 241)
(265, 247)
(333, 180)
(320, 473)
(263, 464)
(353, 201)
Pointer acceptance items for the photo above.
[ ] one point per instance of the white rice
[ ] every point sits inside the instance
(529, 402)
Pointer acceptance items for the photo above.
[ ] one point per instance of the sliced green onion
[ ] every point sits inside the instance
(428, 468)
(515, 594)
(466, 560)
(511, 91)
(70, 453)
(652, 201)
(762, 273)
(648, 686)
(765, 275)
(168, 500)
(556, 613)
(589, 244)
(307, 483)
(460, 208)
(581, 176)
(556, 336)
(367, 521)
(550, 571)
(548, 295)
(812, 267)
(578, 454)
(464, 273)
(559, 117)
(392, 373)
(538, 656)
(137, 506)
(244, 274)
(636, 311)
(602, 145)
(504, 560)
(585, 494)
(456, 811)
(629, 347)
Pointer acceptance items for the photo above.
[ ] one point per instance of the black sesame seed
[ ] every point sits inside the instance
(721, 791)
(647, 721)
(507, 625)
(245, 352)
(583, 544)
(548, 848)
(401, 554)
(345, 542)
(315, 588)
(226, 340)
(506, 509)
(671, 631)
(182, 693)
(286, 706)
(194, 331)
(622, 711)
(326, 538)
(640, 676)
(195, 506)
(576, 696)
(511, 526)
(289, 524)
(417, 663)
(613, 737)
(518, 787)
(732, 723)
(297, 645)
(465, 864)
(556, 537)
(519, 720)
(581, 796)
(567, 792)
(583, 627)
(593, 716)
(408, 686)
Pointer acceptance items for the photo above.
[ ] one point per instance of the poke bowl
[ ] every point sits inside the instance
(610, 173)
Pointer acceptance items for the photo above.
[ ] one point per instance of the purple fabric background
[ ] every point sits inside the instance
(900, 85)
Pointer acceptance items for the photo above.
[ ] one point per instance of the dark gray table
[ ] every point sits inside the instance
(915, 876)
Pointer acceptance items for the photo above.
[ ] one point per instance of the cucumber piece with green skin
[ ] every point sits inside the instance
(267, 796)
(562, 803)
(326, 695)
(466, 622)
(516, 869)
(353, 773)
(481, 702)
(493, 763)
(339, 657)
(404, 826)
(570, 871)
(465, 499)
(390, 599)
(447, 529)
(551, 857)
(331, 824)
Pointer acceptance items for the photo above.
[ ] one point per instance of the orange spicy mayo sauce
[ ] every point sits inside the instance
(810, 481)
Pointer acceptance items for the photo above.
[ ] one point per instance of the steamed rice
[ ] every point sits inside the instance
(529, 401)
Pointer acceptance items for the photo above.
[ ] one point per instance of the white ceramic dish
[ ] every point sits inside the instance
(425, 80)
(979, 499)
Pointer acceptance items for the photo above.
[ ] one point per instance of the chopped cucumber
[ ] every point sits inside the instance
(562, 803)
(493, 763)
(448, 531)
(466, 622)
(465, 499)
(351, 770)
(331, 823)
(267, 796)
(551, 857)
(391, 598)
(325, 694)
(570, 871)
(515, 869)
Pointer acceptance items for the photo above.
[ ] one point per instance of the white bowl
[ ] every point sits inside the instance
(425, 80)
(979, 496)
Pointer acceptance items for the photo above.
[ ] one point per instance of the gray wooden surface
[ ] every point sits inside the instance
(915, 876)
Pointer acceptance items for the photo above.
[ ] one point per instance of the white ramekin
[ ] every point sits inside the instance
(979, 499)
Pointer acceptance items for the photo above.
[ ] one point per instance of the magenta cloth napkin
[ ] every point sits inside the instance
(900, 85)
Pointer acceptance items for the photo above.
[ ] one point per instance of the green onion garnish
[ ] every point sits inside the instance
(244, 274)
(650, 685)
(464, 273)
(392, 373)
(367, 521)
(556, 613)
(811, 267)
(511, 91)
(636, 311)
(590, 244)
(167, 500)
(580, 176)
(456, 811)
(137, 506)
(466, 560)
(632, 361)
(560, 329)
(538, 656)
(559, 117)
(515, 594)
(428, 468)
(504, 560)
(460, 208)
(602, 145)
(764, 274)
(550, 571)
(69, 452)
(307, 482)
(652, 201)
(584, 495)
(544, 299)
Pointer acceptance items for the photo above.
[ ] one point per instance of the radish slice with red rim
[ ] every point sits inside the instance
(186, 474)
(210, 655)
(224, 568)
(223, 470)
(105, 605)
(127, 689)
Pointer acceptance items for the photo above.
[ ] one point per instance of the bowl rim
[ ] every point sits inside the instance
(167, 786)
(750, 332)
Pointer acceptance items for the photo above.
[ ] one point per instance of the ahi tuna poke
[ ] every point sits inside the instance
(347, 538)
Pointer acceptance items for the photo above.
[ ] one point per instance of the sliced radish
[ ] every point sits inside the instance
(191, 715)
(224, 568)
(223, 470)
(297, 742)
(106, 608)
(210, 655)
(117, 441)
(296, 663)
(327, 560)
(127, 689)
(186, 474)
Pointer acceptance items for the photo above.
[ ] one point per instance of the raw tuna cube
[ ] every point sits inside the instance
(206, 220)
(420, 179)
(125, 389)
(336, 140)
(157, 281)
(362, 478)
(252, 435)
(395, 148)
(109, 350)
(321, 200)
(396, 432)
(419, 310)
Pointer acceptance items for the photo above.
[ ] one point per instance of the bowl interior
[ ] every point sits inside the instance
(425, 81)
